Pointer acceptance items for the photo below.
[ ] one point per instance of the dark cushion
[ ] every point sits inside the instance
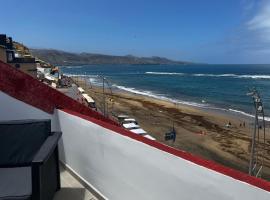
(15, 183)
(20, 140)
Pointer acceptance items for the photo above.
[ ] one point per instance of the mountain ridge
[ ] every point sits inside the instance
(60, 57)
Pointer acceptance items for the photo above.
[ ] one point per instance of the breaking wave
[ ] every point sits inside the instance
(235, 76)
(248, 115)
(164, 73)
(93, 79)
(158, 96)
(76, 75)
(72, 67)
(214, 75)
(200, 105)
(255, 76)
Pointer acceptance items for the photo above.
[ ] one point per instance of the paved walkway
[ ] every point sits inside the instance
(71, 189)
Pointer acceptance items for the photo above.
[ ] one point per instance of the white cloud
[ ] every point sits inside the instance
(250, 42)
(259, 24)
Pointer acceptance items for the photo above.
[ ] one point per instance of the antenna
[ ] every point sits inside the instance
(257, 153)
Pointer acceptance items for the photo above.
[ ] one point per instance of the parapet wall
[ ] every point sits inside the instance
(31, 91)
(123, 168)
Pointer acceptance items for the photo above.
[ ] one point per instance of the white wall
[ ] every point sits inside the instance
(122, 168)
(13, 109)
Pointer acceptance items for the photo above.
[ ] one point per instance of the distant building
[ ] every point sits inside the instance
(20, 59)
(3, 54)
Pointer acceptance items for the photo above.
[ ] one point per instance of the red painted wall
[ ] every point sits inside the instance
(29, 90)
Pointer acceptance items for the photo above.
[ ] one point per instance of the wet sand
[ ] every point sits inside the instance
(199, 131)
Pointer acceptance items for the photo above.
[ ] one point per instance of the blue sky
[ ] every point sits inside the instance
(211, 31)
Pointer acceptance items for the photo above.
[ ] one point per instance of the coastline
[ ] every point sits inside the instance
(230, 112)
(199, 131)
(197, 104)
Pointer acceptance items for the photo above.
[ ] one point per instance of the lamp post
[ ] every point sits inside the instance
(111, 99)
(84, 80)
(256, 165)
(104, 98)
(104, 80)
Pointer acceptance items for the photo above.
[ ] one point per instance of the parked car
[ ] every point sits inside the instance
(130, 120)
(132, 125)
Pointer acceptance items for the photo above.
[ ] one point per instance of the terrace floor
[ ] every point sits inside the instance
(72, 189)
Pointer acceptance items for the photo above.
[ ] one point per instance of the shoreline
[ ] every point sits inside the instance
(199, 131)
(200, 106)
(225, 115)
(196, 105)
(214, 110)
(185, 105)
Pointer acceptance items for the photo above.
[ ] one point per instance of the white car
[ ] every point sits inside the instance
(81, 90)
(121, 117)
(149, 137)
(138, 131)
(129, 120)
(130, 125)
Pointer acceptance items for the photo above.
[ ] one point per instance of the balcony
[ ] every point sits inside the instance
(114, 163)
(29, 153)
(72, 189)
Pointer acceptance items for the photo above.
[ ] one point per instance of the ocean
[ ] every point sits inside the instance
(216, 87)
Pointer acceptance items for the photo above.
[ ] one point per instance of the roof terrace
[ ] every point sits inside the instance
(115, 163)
(72, 189)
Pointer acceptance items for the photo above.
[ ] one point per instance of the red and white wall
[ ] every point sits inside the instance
(116, 162)
(123, 168)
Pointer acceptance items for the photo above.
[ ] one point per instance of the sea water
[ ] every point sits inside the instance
(218, 87)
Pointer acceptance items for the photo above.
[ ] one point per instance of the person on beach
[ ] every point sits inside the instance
(228, 125)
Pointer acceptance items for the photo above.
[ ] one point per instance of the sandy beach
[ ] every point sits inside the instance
(199, 131)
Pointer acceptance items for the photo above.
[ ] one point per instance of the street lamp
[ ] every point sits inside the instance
(255, 165)
(105, 80)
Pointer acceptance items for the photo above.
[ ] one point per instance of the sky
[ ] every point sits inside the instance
(207, 31)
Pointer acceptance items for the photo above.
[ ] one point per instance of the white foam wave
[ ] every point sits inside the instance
(164, 73)
(255, 76)
(72, 67)
(158, 96)
(246, 76)
(248, 115)
(76, 75)
(240, 112)
(214, 75)
(235, 76)
(93, 79)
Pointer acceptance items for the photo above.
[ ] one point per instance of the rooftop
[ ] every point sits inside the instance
(114, 162)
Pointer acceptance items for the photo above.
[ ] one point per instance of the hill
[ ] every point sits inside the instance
(58, 57)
